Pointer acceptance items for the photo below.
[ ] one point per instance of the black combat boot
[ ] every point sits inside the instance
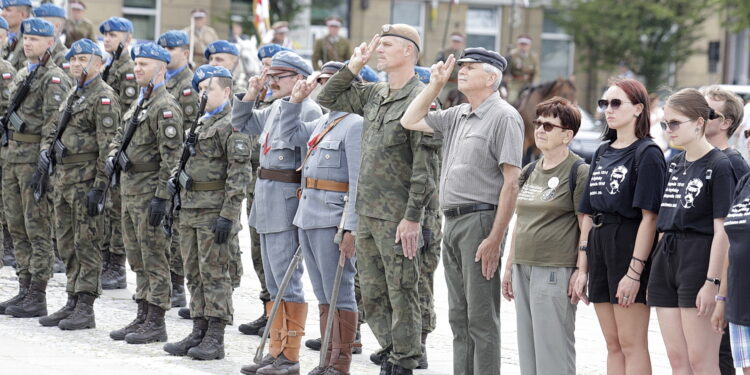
(105, 263)
(54, 319)
(212, 346)
(133, 326)
(386, 368)
(34, 304)
(256, 326)
(114, 276)
(422, 362)
(380, 356)
(314, 344)
(83, 315)
(178, 290)
(8, 258)
(398, 370)
(153, 330)
(194, 339)
(23, 289)
(184, 313)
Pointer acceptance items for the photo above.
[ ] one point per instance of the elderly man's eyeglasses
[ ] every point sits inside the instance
(548, 126)
(279, 78)
(614, 103)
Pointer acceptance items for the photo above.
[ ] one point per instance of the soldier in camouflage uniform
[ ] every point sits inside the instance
(179, 85)
(210, 215)
(153, 154)
(15, 11)
(122, 79)
(79, 180)
(77, 26)
(30, 225)
(523, 67)
(390, 205)
(56, 16)
(7, 72)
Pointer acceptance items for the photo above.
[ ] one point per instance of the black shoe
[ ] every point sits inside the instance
(194, 339)
(23, 289)
(314, 344)
(153, 330)
(34, 304)
(83, 316)
(178, 290)
(114, 277)
(379, 357)
(422, 362)
(140, 319)
(386, 368)
(398, 370)
(54, 319)
(212, 346)
(184, 313)
(251, 369)
(254, 327)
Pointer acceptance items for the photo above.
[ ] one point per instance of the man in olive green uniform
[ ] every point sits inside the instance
(212, 187)
(15, 11)
(30, 223)
(153, 153)
(179, 85)
(523, 67)
(77, 26)
(79, 181)
(121, 78)
(202, 36)
(331, 47)
(56, 16)
(395, 186)
(455, 48)
(7, 72)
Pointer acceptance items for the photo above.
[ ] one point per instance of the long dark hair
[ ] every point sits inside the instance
(637, 94)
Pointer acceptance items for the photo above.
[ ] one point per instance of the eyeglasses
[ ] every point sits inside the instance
(614, 103)
(548, 126)
(747, 133)
(672, 125)
(279, 78)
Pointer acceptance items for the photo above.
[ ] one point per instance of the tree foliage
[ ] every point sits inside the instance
(738, 13)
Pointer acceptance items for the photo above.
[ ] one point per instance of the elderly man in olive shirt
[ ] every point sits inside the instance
(478, 187)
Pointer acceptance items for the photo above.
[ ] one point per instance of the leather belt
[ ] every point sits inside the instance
(281, 175)
(330, 185)
(602, 218)
(207, 185)
(79, 158)
(467, 209)
(23, 137)
(151, 166)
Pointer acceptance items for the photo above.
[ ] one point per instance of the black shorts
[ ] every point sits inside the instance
(610, 250)
(679, 271)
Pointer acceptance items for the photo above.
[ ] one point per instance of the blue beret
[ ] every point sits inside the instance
(150, 50)
(479, 54)
(12, 3)
(287, 61)
(207, 71)
(368, 74)
(49, 10)
(269, 50)
(221, 46)
(83, 47)
(423, 73)
(116, 24)
(38, 27)
(3, 23)
(174, 38)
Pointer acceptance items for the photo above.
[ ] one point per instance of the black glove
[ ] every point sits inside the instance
(92, 201)
(43, 162)
(221, 229)
(157, 208)
(109, 166)
(172, 185)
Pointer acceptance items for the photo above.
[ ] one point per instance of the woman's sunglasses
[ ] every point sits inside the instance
(548, 126)
(672, 125)
(614, 103)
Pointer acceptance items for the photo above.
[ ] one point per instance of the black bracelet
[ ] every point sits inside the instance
(636, 280)
(643, 262)
(583, 248)
(636, 272)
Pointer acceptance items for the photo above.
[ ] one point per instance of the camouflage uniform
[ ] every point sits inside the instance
(222, 159)
(94, 119)
(17, 58)
(31, 230)
(395, 183)
(7, 72)
(58, 56)
(82, 29)
(522, 70)
(430, 252)
(154, 150)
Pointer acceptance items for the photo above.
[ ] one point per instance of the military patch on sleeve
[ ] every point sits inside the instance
(7, 76)
(129, 76)
(241, 147)
(57, 97)
(170, 131)
(187, 92)
(66, 66)
(167, 114)
(55, 80)
(108, 121)
(106, 101)
(189, 110)
(130, 91)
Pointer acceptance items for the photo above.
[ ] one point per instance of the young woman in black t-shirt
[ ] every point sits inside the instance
(687, 264)
(626, 181)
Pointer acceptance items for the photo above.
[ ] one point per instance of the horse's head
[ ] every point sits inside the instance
(563, 88)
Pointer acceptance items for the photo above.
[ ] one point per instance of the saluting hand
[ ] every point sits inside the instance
(363, 53)
(440, 72)
(303, 88)
(254, 85)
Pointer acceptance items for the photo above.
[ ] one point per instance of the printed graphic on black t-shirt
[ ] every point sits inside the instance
(697, 192)
(737, 226)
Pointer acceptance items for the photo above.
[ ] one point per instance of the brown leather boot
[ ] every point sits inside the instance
(343, 334)
(318, 370)
(289, 338)
(277, 326)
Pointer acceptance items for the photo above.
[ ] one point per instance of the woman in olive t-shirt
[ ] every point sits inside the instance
(542, 264)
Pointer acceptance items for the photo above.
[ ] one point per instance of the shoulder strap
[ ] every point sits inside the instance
(573, 177)
(640, 150)
(319, 138)
(527, 172)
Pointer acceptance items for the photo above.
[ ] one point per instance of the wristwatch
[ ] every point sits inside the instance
(715, 280)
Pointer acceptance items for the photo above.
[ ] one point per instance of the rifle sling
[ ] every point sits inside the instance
(23, 137)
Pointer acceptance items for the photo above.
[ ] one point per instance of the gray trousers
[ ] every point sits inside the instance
(473, 301)
(277, 250)
(545, 318)
(322, 258)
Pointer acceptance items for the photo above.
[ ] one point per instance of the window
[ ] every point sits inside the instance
(145, 17)
(410, 13)
(556, 50)
(483, 28)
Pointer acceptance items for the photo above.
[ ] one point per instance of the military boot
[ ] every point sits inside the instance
(140, 319)
(422, 362)
(23, 289)
(212, 346)
(343, 334)
(253, 369)
(380, 356)
(290, 340)
(83, 316)
(54, 319)
(153, 330)
(178, 290)
(398, 370)
(8, 258)
(386, 368)
(34, 304)
(319, 370)
(114, 277)
(194, 339)
(254, 327)
(184, 313)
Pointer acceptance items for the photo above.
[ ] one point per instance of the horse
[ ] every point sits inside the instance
(526, 106)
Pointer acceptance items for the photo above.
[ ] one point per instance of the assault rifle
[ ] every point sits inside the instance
(115, 57)
(11, 48)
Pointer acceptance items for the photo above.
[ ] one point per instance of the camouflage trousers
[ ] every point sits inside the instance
(206, 265)
(29, 225)
(78, 238)
(235, 263)
(255, 252)
(429, 260)
(147, 250)
(2, 218)
(112, 239)
(175, 255)
(389, 290)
